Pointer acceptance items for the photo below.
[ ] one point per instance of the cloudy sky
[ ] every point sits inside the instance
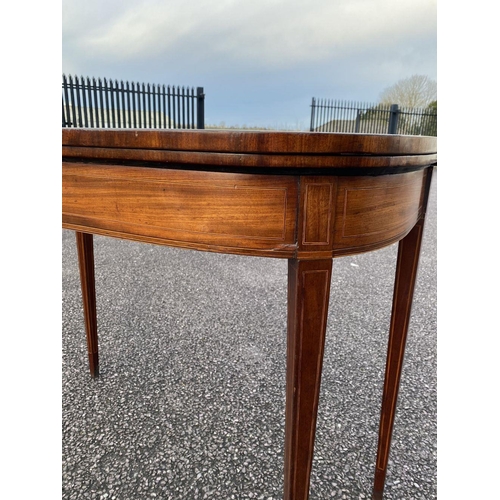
(259, 61)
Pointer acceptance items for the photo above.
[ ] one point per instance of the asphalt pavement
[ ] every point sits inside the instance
(191, 395)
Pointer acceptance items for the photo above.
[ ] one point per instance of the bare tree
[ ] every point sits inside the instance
(417, 91)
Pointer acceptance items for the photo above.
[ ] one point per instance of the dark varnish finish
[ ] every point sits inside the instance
(85, 247)
(315, 197)
(308, 294)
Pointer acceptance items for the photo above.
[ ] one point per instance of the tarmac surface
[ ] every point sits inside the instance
(191, 395)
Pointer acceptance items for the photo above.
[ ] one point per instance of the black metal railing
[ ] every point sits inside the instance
(341, 116)
(102, 103)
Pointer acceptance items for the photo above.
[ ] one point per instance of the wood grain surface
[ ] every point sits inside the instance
(260, 142)
(372, 212)
(228, 212)
(307, 197)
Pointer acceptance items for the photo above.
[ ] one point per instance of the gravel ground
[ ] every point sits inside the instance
(191, 395)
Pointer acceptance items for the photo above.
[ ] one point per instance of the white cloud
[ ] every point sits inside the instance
(277, 33)
(255, 58)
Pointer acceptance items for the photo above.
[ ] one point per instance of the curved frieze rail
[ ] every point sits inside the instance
(260, 193)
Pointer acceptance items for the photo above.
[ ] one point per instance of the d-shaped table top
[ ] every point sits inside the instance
(245, 150)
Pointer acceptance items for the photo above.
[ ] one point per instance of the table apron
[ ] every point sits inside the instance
(284, 216)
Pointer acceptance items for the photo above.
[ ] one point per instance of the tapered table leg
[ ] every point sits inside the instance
(308, 294)
(406, 271)
(85, 245)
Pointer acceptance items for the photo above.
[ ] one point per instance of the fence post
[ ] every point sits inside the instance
(200, 108)
(393, 119)
(313, 109)
(358, 120)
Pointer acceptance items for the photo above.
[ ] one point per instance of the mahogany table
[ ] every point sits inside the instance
(305, 197)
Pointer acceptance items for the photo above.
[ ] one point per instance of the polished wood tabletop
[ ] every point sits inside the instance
(306, 197)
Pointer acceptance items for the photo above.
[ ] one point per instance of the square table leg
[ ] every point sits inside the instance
(406, 272)
(85, 246)
(308, 296)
